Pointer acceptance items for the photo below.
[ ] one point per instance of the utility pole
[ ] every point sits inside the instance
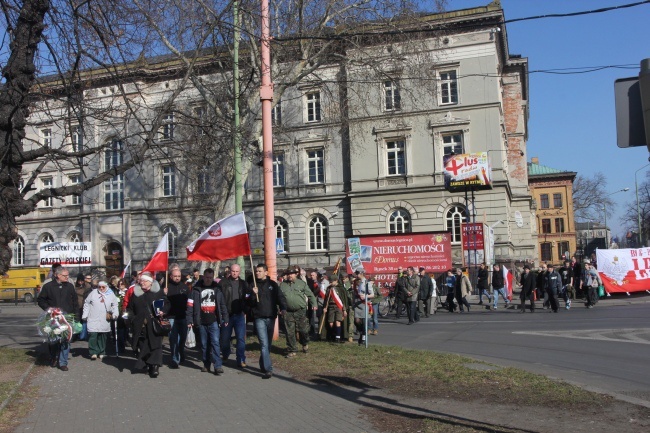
(236, 120)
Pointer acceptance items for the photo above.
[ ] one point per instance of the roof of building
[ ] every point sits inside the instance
(542, 170)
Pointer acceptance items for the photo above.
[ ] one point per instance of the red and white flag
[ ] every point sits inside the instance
(507, 279)
(337, 299)
(126, 268)
(223, 240)
(160, 259)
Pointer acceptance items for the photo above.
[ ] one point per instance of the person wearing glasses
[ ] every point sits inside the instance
(59, 293)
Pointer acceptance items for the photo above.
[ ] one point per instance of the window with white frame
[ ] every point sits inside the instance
(276, 114)
(278, 169)
(282, 232)
(169, 181)
(315, 166)
(75, 237)
(448, 87)
(454, 217)
(75, 179)
(167, 128)
(114, 187)
(317, 233)
(399, 221)
(46, 137)
(392, 98)
(452, 143)
(396, 157)
(18, 258)
(312, 107)
(47, 238)
(172, 235)
(47, 183)
(76, 138)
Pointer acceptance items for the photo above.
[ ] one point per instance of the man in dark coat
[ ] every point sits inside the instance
(528, 284)
(266, 300)
(482, 284)
(553, 287)
(141, 313)
(59, 293)
(177, 293)
(235, 291)
(400, 292)
(426, 290)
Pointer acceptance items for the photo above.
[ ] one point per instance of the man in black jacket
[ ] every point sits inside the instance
(553, 286)
(400, 292)
(426, 290)
(528, 284)
(266, 299)
(235, 291)
(177, 293)
(482, 284)
(59, 293)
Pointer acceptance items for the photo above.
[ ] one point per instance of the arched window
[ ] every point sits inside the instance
(453, 218)
(47, 238)
(399, 221)
(171, 240)
(19, 252)
(75, 237)
(282, 232)
(317, 233)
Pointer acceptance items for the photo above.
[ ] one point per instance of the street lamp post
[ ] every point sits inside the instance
(605, 212)
(638, 213)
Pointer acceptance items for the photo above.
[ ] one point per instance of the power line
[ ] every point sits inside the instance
(574, 14)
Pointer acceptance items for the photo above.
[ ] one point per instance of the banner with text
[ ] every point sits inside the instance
(467, 171)
(383, 254)
(624, 270)
(66, 253)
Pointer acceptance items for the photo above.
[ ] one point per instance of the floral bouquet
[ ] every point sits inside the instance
(55, 325)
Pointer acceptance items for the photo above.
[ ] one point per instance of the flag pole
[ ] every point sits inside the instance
(327, 300)
(257, 298)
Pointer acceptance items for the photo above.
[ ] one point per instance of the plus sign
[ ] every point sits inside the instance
(454, 166)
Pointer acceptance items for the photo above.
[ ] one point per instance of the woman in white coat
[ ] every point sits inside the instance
(100, 307)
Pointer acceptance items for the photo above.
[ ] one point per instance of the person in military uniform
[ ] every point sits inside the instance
(299, 298)
(335, 312)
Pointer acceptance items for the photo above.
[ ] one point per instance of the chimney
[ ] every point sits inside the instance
(534, 160)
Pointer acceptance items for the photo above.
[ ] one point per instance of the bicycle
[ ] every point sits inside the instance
(389, 303)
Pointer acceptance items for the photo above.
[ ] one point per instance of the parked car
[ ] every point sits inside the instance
(22, 283)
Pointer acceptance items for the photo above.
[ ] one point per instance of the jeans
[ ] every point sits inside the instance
(374, 320)
(60, 350)
(238, 323)
(414, 316)
(264, 327)
(500, 291)
(212, 332)
(177, 338)
(481, 293)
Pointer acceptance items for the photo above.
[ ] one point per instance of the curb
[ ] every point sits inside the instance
(18, 384)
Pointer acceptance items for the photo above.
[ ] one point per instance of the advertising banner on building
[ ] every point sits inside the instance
(66, 253)
(383, 254)
(624, 270)
(467, 171)
(474, 242)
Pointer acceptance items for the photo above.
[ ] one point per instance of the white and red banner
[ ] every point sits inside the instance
(126, 269)
(624, 270)
(160, 259)
(223, 240)
(65, 253)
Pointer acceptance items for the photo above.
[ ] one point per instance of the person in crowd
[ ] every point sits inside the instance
(148, 345)
(133, 279)
(568, 292)
(362, 304)
(374, 318)
(59, 293)
(553, 286)
(528, 284)
(83, 290)
(542, 283)
(400, 292)
(99, 311)
(177, 293)
(450, 284)
(112, 283)
(266, 303)
(299, 298)
(426, 290)
(498, 286)
(122, 331)
(482, 284)
(463, 288)
(412, 287)
(235, 291)
(313, 315)
(207, 311)
(590, 284)
(577, 277)
(335, 312)
(346, 283)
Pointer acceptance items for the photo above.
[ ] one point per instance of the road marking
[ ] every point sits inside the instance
(628, 335)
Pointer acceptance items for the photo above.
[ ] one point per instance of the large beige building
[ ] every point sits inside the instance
(357, 150)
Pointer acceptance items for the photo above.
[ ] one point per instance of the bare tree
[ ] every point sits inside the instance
(589, 196)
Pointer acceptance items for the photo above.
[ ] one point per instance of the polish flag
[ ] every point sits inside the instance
(223, 240)
(507, 279)
(160, 259)
(126, 268)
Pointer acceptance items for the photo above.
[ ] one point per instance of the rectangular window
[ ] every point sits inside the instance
(77, 138)
(392, 99)
(315, 166)
(75, 198)
(278, 169)
(543, 199)
(313, 107)
(169, 181)
(47, 183)
(557, 199)
(46, 137)
(563, 250)
(448, 87)
(203, 182)
(276, 114)
(546, 225)
(559, 225)
(452, 143)
(200, 113)
(167, 128)
(396, 158)
(114, 187)
(547, 252)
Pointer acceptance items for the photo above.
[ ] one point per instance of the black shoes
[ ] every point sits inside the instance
(153, 371)
(267, 375)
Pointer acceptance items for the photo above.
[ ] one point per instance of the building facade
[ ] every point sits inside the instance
(358, 150)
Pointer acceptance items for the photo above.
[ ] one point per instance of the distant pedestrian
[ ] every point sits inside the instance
(590, 285)
(412, 288)
(450, 285)
(363, 304)
(553, 286)
(482, 284)
(463, 288)
(426, 291)
(498, 286)
(528, 284)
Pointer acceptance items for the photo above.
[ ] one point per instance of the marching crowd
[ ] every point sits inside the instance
(141, 311)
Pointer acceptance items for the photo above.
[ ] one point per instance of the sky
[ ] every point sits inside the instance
(572, 123)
